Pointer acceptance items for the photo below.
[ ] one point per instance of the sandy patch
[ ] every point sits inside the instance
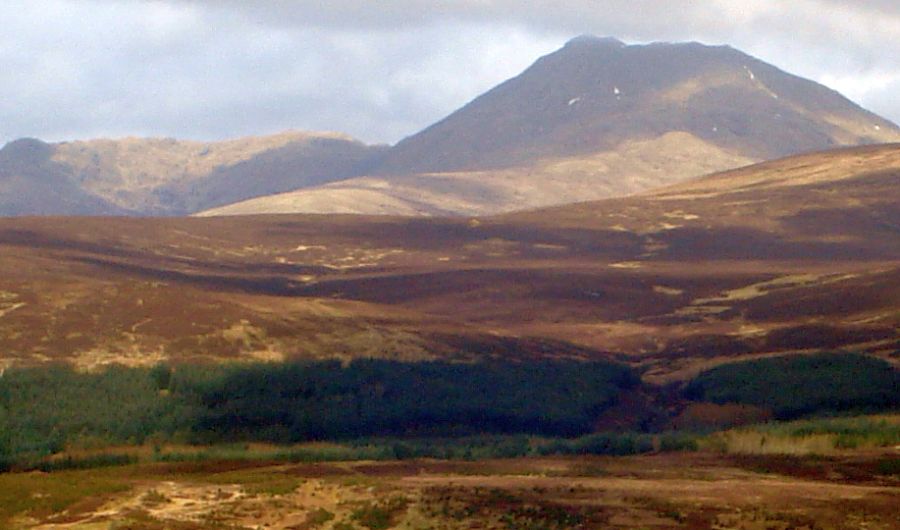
(670, 291)
(627, 265)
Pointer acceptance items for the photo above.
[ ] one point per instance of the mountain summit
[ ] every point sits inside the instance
(593, 40)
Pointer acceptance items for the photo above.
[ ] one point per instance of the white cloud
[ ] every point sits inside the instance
(377, 70)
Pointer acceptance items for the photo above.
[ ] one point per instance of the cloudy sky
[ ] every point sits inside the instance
(376, 69)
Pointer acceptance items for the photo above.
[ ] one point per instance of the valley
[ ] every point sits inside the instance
(650, 285)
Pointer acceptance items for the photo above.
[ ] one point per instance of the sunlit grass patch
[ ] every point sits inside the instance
(813, 436)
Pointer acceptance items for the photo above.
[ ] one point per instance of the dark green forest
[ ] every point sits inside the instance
(328, 401)
(48, 409)
(42, 410)
(800, 385)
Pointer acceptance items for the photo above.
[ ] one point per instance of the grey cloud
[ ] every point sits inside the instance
(888, 7)
(377, 70)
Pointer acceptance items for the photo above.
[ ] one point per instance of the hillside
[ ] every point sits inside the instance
(792, 255)
(153, 176)
(647, 163)
(596, 119)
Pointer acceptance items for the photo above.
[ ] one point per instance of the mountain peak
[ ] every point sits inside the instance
(26, 151)
(593, 40)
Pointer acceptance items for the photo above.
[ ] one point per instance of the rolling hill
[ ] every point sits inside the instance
(792, 255)
(596, 119)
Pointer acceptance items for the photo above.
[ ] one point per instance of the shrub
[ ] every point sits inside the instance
(607, 443)
(675, 441)
(381, 515)
(88, 462)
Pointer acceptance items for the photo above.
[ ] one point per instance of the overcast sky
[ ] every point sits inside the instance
(376, 69)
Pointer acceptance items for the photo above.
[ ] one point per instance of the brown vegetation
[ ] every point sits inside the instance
(784, 257)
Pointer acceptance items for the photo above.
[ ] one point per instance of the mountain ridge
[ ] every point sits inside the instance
(597, 118)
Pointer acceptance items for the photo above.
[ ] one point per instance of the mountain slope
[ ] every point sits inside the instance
(597, 119)
(170, 177)
(792, 255)
(31, 183)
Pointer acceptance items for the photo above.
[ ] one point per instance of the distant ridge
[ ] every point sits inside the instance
(164, 176)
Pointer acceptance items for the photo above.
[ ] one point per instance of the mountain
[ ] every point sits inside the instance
(792, 255)
(597, 118)
(594, 94)
(154, 176)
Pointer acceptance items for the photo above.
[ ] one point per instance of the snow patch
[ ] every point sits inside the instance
(616, 90)
(877, 127)
(750, 73)
(573, 101)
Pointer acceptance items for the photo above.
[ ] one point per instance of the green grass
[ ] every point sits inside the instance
(848, 433)
(42, 495)
(467, 448)
(317, 518)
